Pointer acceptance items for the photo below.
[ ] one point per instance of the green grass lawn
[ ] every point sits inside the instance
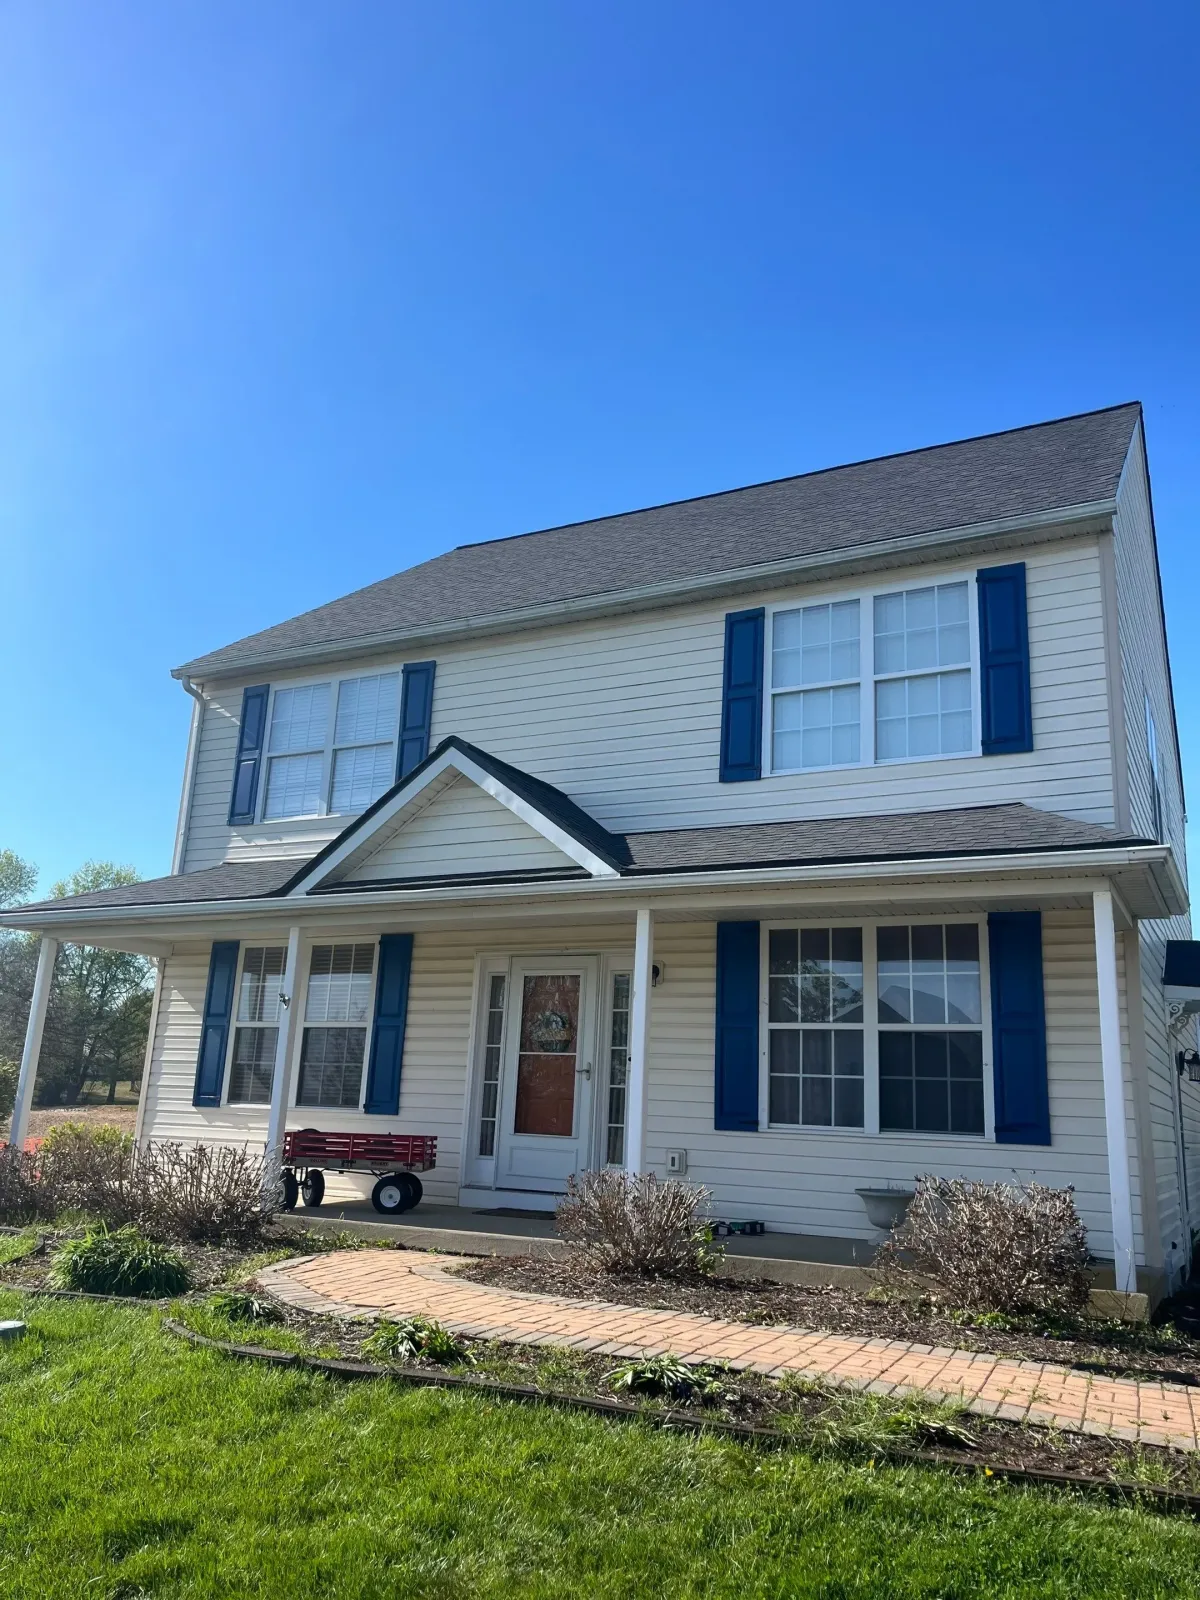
(132, 1464)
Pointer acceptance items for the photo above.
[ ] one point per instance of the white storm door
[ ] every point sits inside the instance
(549, 1074)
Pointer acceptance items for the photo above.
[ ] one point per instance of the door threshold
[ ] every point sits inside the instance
(509, 1200)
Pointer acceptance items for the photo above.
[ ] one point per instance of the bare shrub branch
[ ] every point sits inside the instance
(992, 1246)
(618, 1222)
(205, 1193)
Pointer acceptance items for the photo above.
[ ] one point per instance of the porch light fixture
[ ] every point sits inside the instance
(1189, 1061)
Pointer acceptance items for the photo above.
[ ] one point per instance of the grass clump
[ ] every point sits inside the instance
(16, 1246)
(414, 1338)
(121, 1262)
(655, 1375)
(235, 1306)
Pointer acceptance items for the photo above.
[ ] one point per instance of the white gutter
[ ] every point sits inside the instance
(189, 775)
(878, 552)
(636, 886)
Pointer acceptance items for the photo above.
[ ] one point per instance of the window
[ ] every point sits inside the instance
(921, 710)
(874, 677)
(493, 1038)
(256, 1034)
(1156, 794)
(815, 1026)
(930, 1029)
(336, 1010)
(618, 1070)
(319, 764)
(815, 712)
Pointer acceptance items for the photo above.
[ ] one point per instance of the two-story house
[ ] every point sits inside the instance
(801, 839)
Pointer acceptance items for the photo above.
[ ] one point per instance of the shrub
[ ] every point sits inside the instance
(413, 1337)
(239, 1307)
(10, 1071)
(124, 1262)
(617, 1222)
(993, 1246)
(205, 1193)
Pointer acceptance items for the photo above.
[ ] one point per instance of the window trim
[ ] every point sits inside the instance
(234, 1024)
(867, 677)
(871, 1028)
(314, 943)
(335, 681)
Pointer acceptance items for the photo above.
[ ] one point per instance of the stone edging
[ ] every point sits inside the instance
(421, 1377)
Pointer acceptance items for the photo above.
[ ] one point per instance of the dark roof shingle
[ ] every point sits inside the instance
(1050, 466)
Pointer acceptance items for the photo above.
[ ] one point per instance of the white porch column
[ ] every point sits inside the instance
(281, 1085)
(33, 1041)
(1119, 1183)
(639, 1040)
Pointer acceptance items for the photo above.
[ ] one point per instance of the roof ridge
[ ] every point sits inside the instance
(795, 477)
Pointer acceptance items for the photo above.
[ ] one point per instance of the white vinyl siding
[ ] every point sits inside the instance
(625, 716)
(462, 829)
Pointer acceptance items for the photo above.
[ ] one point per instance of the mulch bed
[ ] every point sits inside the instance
(1127, 1350)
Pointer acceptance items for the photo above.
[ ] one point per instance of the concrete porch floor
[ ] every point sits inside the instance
(786, 1257)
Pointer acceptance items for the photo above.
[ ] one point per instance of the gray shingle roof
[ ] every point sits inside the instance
(915, 836)
(1026, 471)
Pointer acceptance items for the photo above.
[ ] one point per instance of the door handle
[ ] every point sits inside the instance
(585, 1072)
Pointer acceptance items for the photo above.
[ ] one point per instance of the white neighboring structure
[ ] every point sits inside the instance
(813, 835)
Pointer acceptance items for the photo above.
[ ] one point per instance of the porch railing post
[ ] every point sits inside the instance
(639, 1039)
(32, 1052)
(281, 1086)
(1119, 1181)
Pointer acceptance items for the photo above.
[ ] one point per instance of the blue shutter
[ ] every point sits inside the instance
(735, 1100)
(1007, 718)
(742, 704)
(391, 1013)
(244, 799)
(1018, 1027)
(416, 716)
(214, 1030)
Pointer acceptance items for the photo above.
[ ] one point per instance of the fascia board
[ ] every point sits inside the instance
(1083, 871)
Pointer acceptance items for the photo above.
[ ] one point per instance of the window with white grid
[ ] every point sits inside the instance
(921, 708)
(256, 1029)
(331, 747)
(336, 1013)
(874, 677)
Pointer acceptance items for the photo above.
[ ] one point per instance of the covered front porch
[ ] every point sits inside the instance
(540, 1029)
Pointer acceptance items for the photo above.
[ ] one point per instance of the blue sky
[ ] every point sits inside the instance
(295, 295)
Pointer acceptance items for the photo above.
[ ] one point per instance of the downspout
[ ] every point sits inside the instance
(189, 774)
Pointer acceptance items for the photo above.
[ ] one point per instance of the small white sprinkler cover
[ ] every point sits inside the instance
(12, 1330)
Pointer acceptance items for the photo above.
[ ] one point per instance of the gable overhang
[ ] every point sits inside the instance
(1144, 879)
(969, 539)
(386, 818)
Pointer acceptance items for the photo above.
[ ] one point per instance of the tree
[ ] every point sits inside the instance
(18, 878)
(99, 1005)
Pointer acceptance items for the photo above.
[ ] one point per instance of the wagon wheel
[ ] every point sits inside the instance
(394, 1193)
(312, 1188)
(291, 1189)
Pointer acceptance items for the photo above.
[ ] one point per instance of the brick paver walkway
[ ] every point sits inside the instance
(403, 1283)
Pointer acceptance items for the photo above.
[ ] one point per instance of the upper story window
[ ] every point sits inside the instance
(878, 677)
(331, 747)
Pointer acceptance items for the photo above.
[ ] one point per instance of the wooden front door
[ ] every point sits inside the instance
(549, 1072)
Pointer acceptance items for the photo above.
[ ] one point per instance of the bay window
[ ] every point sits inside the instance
(896, 1009)
(877, 677)
(331, 747)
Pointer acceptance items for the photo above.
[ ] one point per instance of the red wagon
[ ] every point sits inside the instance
(394, 1158)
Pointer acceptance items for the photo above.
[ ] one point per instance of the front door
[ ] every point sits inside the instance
(549, 1070)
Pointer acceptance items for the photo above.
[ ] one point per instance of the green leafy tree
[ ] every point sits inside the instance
(99, 1005)
(18, 959)
(18, 879)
